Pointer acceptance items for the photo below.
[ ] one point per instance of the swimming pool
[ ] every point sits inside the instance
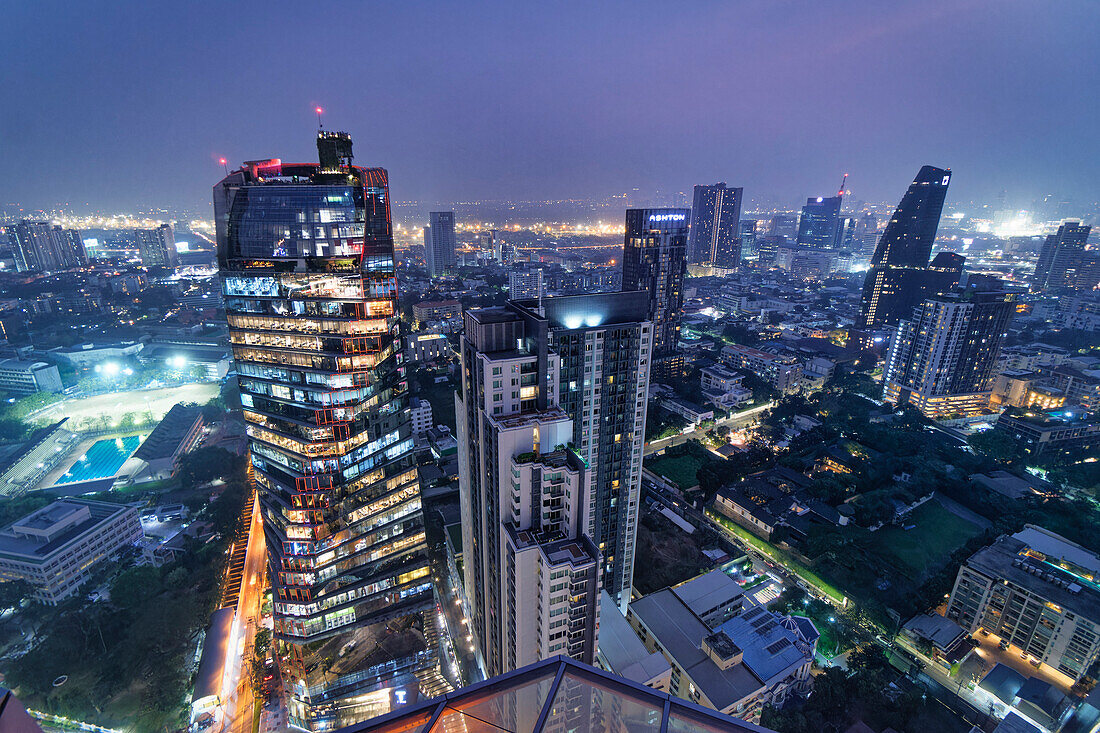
(102, 460)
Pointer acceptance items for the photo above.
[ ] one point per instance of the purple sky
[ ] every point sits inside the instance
(121, 105)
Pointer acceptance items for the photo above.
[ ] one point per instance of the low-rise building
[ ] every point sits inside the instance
(435, 310)
(782, 372)
(722, 387)
(1036, 590)
(421, 418)
(690, 411)
(621, 652)
(425, 347)
(736, 666)
(175, 435)
(28, 377)
(55, 547)
(1038, 433)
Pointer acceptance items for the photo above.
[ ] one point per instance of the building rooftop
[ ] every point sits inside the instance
(622, 650)
(702, 593)
(41, 533)
(681, 633)
(555, 694)
(166, 437)
(772, 649)
(1051, 568)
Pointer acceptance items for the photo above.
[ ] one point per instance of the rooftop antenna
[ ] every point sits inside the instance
(842, 182)
(320, 125)
(225, 165)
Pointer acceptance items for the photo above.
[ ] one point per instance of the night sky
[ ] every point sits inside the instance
(122, 105)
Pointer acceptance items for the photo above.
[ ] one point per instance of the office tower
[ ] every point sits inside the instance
(307, 266)
(899, 277)
(747, 232)
(715, 220)
(39, 245)
(866, 234)
(439, 242)
(767, 249)
(577, 369)
(846, 233)
(157, 247)
(819, 225)
(525, 284)
(531, 569)
(942, 359)
(1061, 255)
(1037, 591)
(783, 225)
(654, 261)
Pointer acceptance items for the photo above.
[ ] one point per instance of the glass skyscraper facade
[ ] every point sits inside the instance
(655, 260)
(900, 275)
(819, 225)
(307, 266)
(439, 243)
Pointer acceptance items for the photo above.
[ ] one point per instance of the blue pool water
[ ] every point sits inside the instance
(102, 460)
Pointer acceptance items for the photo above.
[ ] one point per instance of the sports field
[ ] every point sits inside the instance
(102, 460)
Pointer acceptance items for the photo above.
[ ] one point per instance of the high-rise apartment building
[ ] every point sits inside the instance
(715, 238)
(654, 260)
(439, 242)
(747, 232)
(551, 423)
(525, 283)
(157, 247)
(819, 225)
(531, 568)
(866, 234)
(307, 266)
(39, 245)
(942, 359)
(1062, 255)
(899, 275)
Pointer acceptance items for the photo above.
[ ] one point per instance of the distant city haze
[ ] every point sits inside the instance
(118, 106)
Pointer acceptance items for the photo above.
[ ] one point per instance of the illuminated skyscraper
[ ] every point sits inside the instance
(654, 260)
(942, 358)
(819, 225)
(439, 242)
(306, 257)
(715, 239)
(1062, 255)
(157, 247)
(900, 276)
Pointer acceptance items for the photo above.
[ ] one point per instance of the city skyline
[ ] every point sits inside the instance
(873, 122)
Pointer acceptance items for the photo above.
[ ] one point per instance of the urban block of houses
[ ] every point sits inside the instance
(775, 497)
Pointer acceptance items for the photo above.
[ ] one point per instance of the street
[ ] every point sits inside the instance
(238, 685)
(737, 420)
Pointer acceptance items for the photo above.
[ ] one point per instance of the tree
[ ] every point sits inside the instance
(135, 585)
(996, 444)
(14, 592)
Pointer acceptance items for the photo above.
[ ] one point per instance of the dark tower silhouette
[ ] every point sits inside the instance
(900, 275)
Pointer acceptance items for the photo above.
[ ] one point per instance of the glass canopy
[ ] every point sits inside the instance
(558, 694)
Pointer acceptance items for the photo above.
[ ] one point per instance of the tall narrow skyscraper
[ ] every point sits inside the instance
(157, 247)
(654, 260)
(1061, 256)
(899, 276)
(531, 569)
(439, 242)
(714, 239)
(551, 423)
(307, 266)
(819, 225)
(942, 358)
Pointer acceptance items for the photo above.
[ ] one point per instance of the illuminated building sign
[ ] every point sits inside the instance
(666, 217)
